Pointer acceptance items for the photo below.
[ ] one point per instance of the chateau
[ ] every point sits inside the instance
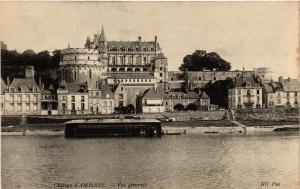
(101, 59)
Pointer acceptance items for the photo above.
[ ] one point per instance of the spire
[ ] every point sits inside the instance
(69, 46)
(88, 43)
(102, 35)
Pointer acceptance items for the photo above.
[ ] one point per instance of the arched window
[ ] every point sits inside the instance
(129, 69)
(137, 69)
(113, 69)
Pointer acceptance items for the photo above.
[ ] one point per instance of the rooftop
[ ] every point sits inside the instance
(114, 121)
(23, 82)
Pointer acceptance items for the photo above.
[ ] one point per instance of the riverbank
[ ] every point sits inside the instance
(206, 125)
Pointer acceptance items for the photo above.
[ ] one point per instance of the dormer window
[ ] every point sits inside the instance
(248, 84)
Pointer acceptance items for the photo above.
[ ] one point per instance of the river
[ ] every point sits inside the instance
(269, 160)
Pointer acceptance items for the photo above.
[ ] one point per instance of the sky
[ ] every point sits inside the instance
(246, 34)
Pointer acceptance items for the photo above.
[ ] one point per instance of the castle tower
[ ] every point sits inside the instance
(79, 65)
(160, 72)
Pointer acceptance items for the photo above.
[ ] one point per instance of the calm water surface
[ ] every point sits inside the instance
(185, 161)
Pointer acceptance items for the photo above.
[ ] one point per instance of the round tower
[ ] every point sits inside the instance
(78, 65)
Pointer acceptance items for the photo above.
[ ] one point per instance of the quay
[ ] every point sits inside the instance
(113, 128)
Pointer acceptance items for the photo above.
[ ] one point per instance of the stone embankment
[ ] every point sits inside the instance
(278, 114)
(179, 116)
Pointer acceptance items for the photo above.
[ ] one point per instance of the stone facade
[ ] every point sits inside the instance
(247, 93)
(285, 93)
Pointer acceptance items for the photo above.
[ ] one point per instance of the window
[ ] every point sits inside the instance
(105, 104)
(239, 92)
(160, 74)
(82, 106)
(278, 95)
(287, 94)
(34, 107)
(63, 105)
(27, 107)
(160, 68)
(215, 78)
(239, 99)
(145, 60)
(296, 94)
(152, 49)
(63, 98)
(278, 101)
(90, 74)
(271, 97)
(120, 103)
(257, 91)
(110, 104)
(114, 60)
(92, 109)
(120, 96)
(200, 78)
(73, 106)
(248, 92)
(88, 58)
(72, 98)
(27, 98)
(19, 98)
(97, 93)
(258, 99)
(82, 98)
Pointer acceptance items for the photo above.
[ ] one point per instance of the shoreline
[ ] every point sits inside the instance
(201, 126)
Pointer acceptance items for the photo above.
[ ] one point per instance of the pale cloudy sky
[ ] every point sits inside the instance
(249, 34)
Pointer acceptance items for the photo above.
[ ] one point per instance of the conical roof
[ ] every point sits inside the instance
(102, 35)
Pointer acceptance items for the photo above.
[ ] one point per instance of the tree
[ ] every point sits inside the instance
(191, 107)
(179, 107)
(218, 91)
(200, 60)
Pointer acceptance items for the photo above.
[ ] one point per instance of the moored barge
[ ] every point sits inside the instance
(113, 128)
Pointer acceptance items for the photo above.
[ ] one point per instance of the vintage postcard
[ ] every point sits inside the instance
(150, 95)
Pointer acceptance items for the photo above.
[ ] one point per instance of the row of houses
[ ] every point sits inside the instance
(251, 93)
(26, 96)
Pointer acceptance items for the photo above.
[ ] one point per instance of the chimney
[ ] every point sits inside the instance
(29, 72)
(139, 38)
(40, 80)
(7, 81)
(155, 39)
